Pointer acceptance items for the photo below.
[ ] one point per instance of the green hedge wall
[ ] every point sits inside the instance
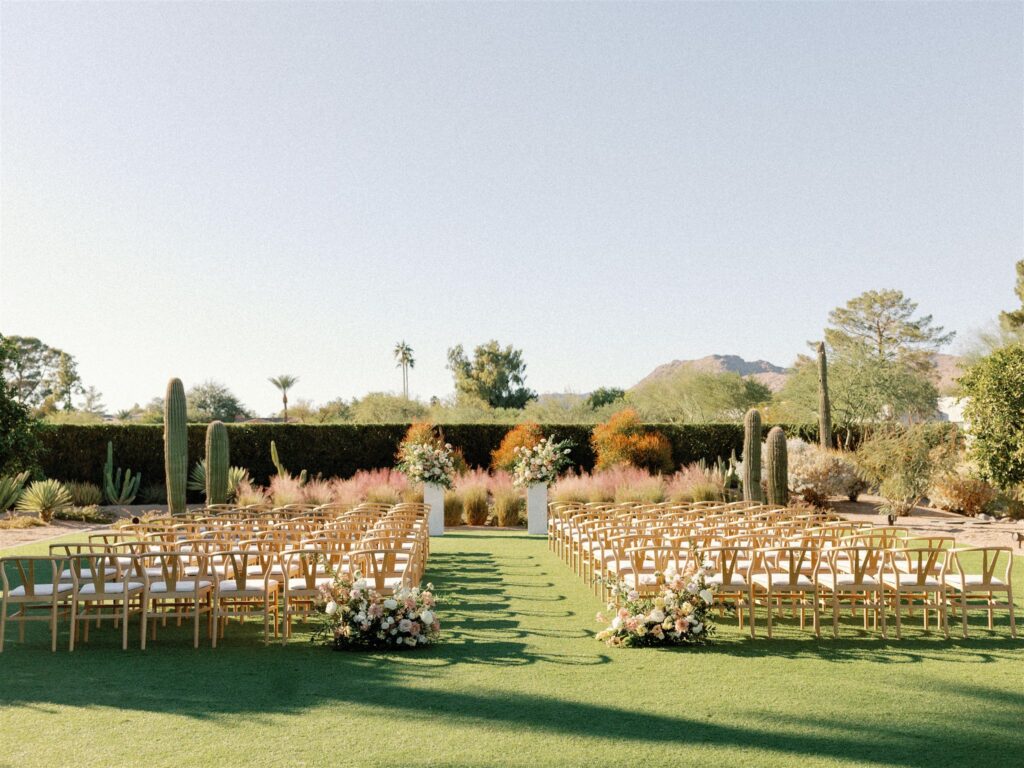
(77, 452)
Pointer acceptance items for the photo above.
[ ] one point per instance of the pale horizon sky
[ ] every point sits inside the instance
(232, 191)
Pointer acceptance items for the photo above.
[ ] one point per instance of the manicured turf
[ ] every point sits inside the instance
(518, 681)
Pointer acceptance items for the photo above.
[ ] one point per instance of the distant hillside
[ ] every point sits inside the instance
(769, 374)
(947, 370)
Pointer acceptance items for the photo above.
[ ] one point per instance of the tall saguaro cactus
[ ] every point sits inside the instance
(217, 463)
(752, 455)
(175, 446)
(776, 466)
(824, 408)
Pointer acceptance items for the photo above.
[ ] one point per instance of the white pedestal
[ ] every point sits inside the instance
(433, 497)
(537, 509)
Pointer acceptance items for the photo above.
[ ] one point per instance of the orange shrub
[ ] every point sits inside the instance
(521, 436)
(624, 440)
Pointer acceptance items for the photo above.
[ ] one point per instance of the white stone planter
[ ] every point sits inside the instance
(537, 509)
(433, 497)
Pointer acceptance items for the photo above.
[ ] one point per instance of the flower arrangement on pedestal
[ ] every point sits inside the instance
(427, 462)
(679, 614)
(354, 615)
(541, 463)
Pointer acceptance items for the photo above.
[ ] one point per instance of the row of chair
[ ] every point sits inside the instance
(767, 556)
(214, 564)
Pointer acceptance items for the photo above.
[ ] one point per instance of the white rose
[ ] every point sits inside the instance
(706, 596)
(697, 628)
(427, 617)
(390, 604)
(332, 608)
(656, 616)
(360, 617)
(361, 584)
(617, 622)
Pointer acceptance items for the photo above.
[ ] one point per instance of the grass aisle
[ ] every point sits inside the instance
(519, 680)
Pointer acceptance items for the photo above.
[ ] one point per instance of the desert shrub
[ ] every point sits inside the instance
(84, 494)
(248, 494)
(474, 504)
(452, 508)
(19, 522)
(697, 482)
(570, 489)
(383, 494)
(153, 493)
(962, 491)
(905, 462)
(45, 498)
(11, 487)
(284, 490)
(817, 474)
(90, 513)
(624, 440)
(521, 436)
(318, 492)
(509, 507)
(648, 490)
(412, 495)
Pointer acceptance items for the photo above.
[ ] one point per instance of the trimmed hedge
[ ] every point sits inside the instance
(77, 452)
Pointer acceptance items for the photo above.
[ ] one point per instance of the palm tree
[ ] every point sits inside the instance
(403, 354)
(284, 382)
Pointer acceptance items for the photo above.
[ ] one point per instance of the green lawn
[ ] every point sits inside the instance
(519, 680)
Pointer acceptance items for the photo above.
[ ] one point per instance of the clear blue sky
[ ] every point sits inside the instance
(238, 190)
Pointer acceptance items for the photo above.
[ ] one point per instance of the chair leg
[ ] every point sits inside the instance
(817, 616)
(3, 624)
(142, 623)
(991, 599)
(897, 605)
(1013, 619)
(195, 629)
(74, 625)
(943, 612)
(124, 627)
(880, 602)
(835, 615)
(53, 626)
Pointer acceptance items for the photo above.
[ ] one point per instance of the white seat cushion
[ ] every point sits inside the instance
(251, 586)
(299, 583)
(42, 590)
(181, 586)
(909, 580)
(782, 581)
(86, 573)
(974, 581)
(845, 581)
(112, 588)
(736, 582)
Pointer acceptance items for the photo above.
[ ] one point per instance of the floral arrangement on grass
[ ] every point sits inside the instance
(679, 614)
(541, 463)
(427, 463)
(353, 615)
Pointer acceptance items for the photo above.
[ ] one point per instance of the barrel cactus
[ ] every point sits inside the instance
(776, 466)
(824, 408)
(217, 463)
(752, 455)
(175, 446)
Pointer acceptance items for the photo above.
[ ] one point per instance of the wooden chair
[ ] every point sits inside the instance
(240, 589)
(35, 592)
(94, 588)
(917, 574)
(182, 589)
(778, 574)
(984, 585)
(854, 574)
(307, 573)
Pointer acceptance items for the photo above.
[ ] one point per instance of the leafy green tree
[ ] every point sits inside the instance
(495, 375)
(19, 439)
(385, 408)
(66, 381)
(30, 368)
(403, 354)
(603, 396)
(284, 382)
(882, 324)
(689, 395)
(92, 401)
(863, 389)
(994, 388)
(1013, 321)
(212, 401)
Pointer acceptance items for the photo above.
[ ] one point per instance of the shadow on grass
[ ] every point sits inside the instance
(485, 628)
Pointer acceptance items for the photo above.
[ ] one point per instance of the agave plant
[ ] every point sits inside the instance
(11, 487)
(236, 475)
(45, 498)
(85, 494)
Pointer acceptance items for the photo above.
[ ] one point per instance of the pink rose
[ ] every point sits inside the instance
(680, 626)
